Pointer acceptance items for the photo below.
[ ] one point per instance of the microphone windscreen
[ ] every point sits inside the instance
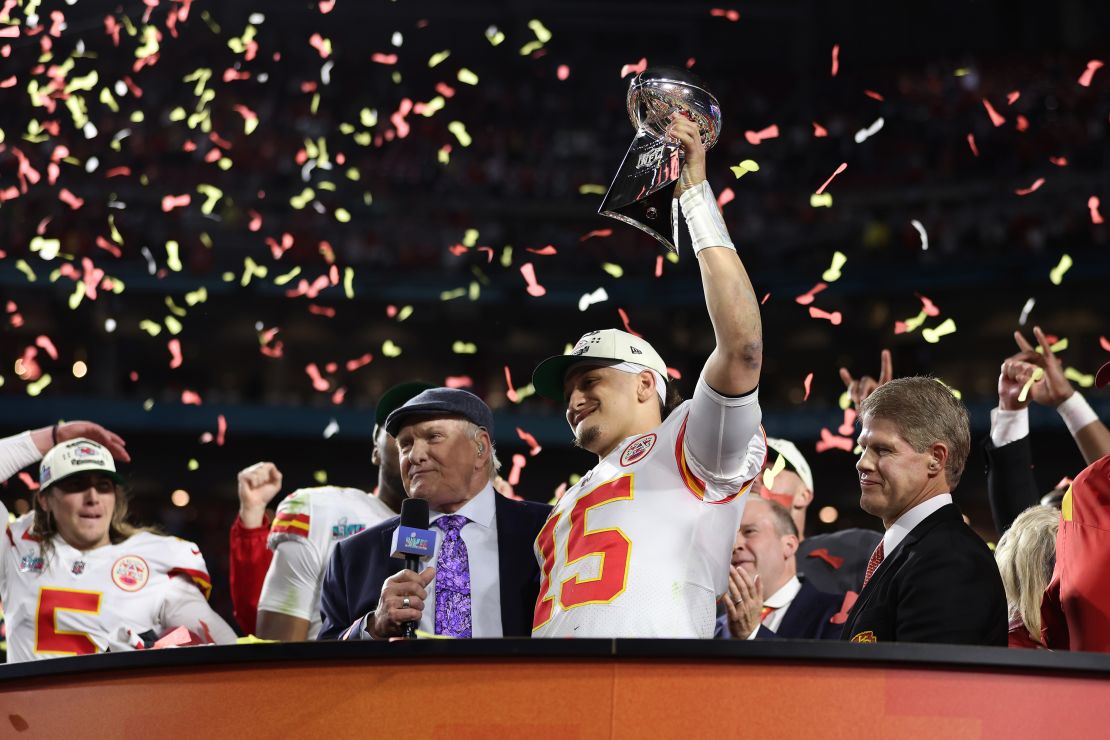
(414, 513)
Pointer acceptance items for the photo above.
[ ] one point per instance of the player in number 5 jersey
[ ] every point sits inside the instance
(641, 545)
(75, 578)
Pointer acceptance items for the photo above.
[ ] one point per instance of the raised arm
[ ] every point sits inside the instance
(734, 365)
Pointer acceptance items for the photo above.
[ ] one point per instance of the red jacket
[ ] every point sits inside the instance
(250, 559)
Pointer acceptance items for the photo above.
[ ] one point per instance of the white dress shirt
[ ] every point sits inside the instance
(479, 535)
(910, 519)
(780, 601)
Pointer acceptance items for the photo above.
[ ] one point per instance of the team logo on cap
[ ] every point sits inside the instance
(130, 573)
(637, 449)
(84, 451)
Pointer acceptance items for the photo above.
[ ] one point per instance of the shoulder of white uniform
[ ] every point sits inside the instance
(174, 556)
(308, 513)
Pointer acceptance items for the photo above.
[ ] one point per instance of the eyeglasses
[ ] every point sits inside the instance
(83, 482)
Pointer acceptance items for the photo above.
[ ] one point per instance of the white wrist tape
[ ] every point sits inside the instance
(1076, 413)
(703, 217)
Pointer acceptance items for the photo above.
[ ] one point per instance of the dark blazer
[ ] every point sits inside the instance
(807, 618)
(836, 562)
(940, 585)
(1011, 487)
(361, 563)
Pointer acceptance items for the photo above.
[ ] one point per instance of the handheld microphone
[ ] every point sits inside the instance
(413, 541)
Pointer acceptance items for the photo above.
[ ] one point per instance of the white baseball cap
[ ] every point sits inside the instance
(604, 347)
(76, 456)
(794, 456)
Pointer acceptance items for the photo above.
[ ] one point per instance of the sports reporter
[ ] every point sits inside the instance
(77, 578)
(665, 499)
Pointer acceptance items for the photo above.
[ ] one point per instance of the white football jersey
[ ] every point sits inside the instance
(641, 545)
(75, 603)
(308, 524)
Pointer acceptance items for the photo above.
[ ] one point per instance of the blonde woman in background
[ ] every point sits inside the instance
(1026, 555)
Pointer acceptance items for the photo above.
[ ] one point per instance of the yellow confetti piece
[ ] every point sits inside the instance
(443, 155)
(470, 237)
(200, 295)
(672, 258)
(494, 36)
(47, 248)
(438, 58)
(464, 348)
(251, 269)
(833, 273)
(770, 475)
(148, 404)
(205, 240)
(615, 270)
(507, 255)
(33, 389)
(962, 72)
(432, 636)
(932, 336)
(193, 465)
(1084, 380)
(591, 189)
(224, 164)
(1037, 375)
(744, 168)
(1059, 346)
(174, 308)
(474, 292)
(353, 174)
(302, 200)
(530, 47)
(211, 194)
(1057, 274)
(150, 327)
(820, 200)
(76, 296)
(951, 390)
(23, 267)
(844, 401)
(916, 321)
(467, 77)
(389, 349)
(450, 295)
(149, 45)
(537, 27)
(349, 282)
(458, 128)
(522, 393)
(173, 325)
(283, 279)
(320, 476)
(252, 640)
(137, 116)
(342, 215)
(368, 117)
(113, 231)
(173, 256)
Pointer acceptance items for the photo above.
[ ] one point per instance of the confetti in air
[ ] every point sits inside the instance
(921, 232)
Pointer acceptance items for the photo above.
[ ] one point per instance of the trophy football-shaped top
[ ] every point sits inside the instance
(639, 193)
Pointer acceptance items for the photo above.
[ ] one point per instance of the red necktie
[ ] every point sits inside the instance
(873, 563)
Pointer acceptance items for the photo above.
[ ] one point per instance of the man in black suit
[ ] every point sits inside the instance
(931, 579)
(763, 563)
(485, 579)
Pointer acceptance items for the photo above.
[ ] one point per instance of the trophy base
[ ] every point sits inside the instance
(655, 215)
(640, 194)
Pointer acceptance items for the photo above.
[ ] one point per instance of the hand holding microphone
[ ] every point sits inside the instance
(403, 595)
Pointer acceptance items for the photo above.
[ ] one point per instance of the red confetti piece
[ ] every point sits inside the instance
(398, 118)
(873, 95)
(636, 68)
(277, 250)
(69, 198)
(489, 253)
(44, 342)
(835, 59)
(674, 373)
(326, 6)
(380, 58)
(690, 63)
(108, 246)
(190, 398)
(391, 311)
(765, 299)
(562, 72)
(10, 82)
(971, 143)
(732, 15)
(511, 393)
(834, 318)
(843, 166)
(331, 367)
(458, 381)
(659, 265)
(174, 345)
(445, 90)
(726, 196)
(1012, 97)
(849, 423)
(358, 362)
(754, 137)
(534, 288)
(118, 172)
(325, 311)
(596, 232)
(339, 395)
(317, 43)
(533, 446)
(627, 326)
(1104, 343)
(1092, 204)
(807, 298)
(1092, 66)
(10, 32)
(170, 202)
(996, 118)
(221, 430)
(819, 131)
(1022, 123)
(542, 251)
(1059, 161)
(807, 383)
(458, 249)
(830, 441)
(1032, 188)
(318, 381)
(519, 461)
(560, 491)
(928, 306)
(28, 481)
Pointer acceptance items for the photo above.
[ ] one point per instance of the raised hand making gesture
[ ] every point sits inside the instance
(860, 388)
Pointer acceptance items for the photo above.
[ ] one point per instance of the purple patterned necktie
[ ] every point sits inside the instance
(452, 580)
